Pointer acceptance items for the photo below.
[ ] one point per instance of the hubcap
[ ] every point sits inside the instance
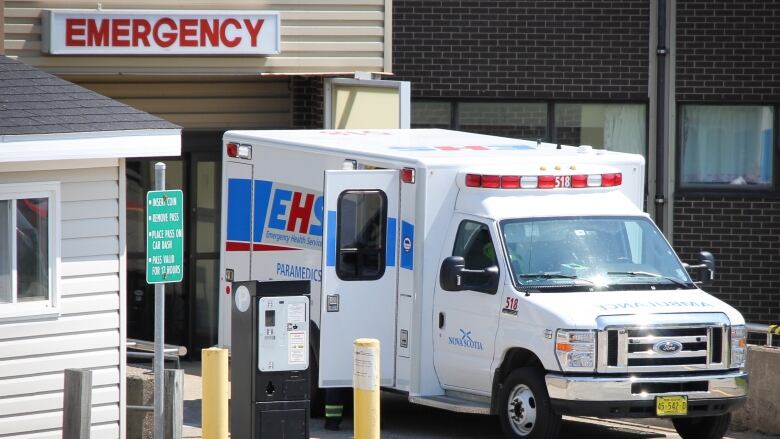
(522, 410)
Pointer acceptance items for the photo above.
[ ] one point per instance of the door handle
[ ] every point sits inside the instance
(441, 320)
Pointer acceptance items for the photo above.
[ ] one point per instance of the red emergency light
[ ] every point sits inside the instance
(239, 151)
(543, 181)
(407, 175)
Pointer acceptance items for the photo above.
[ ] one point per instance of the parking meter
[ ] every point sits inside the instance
(270, 360)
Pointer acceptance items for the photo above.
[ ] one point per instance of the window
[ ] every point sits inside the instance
(475, 245)
(615, 127)
(726, 145)
(361, 236)
(511, 119)
(28, 249)
(431, 114)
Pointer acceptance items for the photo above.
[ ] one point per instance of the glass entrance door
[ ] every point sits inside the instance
(205, 169)
(140, 295)
(191, 307)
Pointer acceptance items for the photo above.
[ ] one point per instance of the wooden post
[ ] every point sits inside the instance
(77, 404)
(174, 403)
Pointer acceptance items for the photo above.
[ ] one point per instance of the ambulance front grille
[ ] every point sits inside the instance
(662, 348)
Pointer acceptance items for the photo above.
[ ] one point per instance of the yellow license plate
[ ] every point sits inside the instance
(671, 405)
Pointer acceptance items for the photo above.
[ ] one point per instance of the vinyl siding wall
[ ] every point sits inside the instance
(317, 36)
(89, 332)
(198, 102)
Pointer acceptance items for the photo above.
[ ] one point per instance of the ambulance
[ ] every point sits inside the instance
(501, 276)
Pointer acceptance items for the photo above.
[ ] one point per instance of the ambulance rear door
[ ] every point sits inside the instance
(360, 271)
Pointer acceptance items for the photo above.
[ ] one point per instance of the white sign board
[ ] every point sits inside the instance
(160, 32)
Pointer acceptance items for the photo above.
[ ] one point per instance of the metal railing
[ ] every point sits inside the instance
(145, 350)
(768, 330)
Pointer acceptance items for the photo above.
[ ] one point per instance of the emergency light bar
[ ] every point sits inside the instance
(543, 181)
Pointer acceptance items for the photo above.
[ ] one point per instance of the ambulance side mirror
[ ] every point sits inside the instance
(455, 277)
(451, 273)
(706, 272)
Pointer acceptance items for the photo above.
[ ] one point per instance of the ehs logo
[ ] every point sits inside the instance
(465, 341)
(285, 217)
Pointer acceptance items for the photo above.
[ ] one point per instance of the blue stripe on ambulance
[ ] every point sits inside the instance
(330, 260)
(407, 245)
(391, 242)
(238, 218)
(262, 199)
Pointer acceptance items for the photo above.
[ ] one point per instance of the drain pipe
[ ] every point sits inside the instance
(661, 139)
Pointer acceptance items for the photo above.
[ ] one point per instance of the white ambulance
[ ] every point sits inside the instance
(501, 276)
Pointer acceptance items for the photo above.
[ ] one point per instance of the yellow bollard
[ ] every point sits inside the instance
(214, 415)
(365, 380)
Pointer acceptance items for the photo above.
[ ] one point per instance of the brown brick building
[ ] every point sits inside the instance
(693, 85)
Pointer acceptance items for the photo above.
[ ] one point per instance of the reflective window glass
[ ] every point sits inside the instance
(726, 145)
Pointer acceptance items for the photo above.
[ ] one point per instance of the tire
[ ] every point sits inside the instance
(707, 427)
(524, 406)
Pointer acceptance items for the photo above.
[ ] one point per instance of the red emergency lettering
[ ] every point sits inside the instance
(164, 39)
(235, 41)
(254, 31)
(97, 33)
(188, 34)
(120, 32)
(141, 29)
(74, 27)
(209, 32)
(298, 212)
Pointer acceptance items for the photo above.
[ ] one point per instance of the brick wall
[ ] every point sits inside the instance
(544, 49)
(744, 236)
(728, 50)
(307, 102)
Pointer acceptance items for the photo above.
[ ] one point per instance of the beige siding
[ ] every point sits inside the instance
(197, 102)
(317, 36)
(33, 354)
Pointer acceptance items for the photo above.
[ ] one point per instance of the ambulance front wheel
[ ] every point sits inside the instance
(525, 409)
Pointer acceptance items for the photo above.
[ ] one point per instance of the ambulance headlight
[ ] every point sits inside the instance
(576, 350)
(738, 346)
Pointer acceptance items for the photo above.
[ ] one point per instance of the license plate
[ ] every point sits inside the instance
(671, 405)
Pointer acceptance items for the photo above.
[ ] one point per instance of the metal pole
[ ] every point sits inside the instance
(159, 330)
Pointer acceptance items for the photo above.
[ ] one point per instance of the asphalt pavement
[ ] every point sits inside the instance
(400, 419)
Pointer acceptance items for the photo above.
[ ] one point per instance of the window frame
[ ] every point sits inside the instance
(496, 245)
(382, 241)
(43, 308)
(718, 188)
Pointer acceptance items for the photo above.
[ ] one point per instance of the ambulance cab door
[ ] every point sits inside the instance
(359, 275)
(235, 263)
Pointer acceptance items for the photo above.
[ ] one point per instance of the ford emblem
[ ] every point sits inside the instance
(667, 347)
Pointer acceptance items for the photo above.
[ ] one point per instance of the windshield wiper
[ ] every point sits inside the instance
(549, 275)
(649, 274)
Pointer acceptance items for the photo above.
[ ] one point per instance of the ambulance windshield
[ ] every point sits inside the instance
(591, 253)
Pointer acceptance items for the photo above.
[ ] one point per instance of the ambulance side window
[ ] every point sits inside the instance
(361, 235)
(475, 245)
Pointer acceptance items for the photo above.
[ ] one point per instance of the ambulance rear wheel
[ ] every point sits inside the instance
(709, 427)
(525, 410)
